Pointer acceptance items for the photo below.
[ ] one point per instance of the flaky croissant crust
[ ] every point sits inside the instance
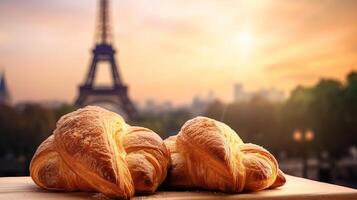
(208, 154)
(93, 149)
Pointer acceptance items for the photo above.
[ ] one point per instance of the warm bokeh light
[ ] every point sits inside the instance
(297, 136)
(309, 135)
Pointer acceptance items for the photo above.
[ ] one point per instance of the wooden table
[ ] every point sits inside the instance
(20, 188)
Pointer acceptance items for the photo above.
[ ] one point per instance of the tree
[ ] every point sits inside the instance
(349, 109)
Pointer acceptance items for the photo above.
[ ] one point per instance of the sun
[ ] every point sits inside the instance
(243, 44)
(244, 40)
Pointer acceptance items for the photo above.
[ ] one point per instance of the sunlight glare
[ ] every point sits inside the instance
(243, 43)
(244, 40)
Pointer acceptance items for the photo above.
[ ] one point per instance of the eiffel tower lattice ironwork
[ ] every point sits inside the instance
(113, 97)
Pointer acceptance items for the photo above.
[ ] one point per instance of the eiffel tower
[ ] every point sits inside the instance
(114, 97)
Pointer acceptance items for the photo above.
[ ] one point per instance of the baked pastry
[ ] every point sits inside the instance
(93, 149)
(208, 154)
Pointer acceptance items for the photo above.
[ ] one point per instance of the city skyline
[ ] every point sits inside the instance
(172, 51)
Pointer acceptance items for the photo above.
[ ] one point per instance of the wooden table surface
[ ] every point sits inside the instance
(20, 188)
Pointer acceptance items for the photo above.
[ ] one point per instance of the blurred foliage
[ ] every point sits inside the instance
(328, 108)
(164, 123)
(255, 121)
(24, 127)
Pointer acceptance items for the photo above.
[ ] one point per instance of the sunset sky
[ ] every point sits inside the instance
(172, 50)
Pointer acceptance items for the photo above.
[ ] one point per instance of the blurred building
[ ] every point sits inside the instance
(4, 92)
(152, 107)
(239, 95)
(271, 94)
(199, 104)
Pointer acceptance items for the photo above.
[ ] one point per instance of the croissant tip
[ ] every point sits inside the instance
(280, 180)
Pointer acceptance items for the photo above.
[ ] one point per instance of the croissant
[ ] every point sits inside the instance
(208, 154)
(93, 149)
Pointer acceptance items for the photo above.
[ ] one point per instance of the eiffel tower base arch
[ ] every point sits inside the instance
(113, 99)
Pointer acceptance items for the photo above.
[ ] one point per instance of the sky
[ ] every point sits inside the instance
(173, 50)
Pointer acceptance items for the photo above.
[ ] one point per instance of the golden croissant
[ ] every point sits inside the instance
(208, 154)
(93, 149)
